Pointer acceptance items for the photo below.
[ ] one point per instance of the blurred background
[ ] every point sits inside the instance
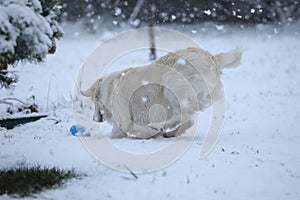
(95, 13)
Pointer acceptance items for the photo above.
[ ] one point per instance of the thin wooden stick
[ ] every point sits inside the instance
(151, 31)
(131, 172)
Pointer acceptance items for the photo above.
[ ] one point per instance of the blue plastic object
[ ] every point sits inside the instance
(78, 130)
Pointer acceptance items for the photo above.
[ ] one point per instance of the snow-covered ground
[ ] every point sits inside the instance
(257, 156)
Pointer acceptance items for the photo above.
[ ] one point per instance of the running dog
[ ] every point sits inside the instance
(161, 98)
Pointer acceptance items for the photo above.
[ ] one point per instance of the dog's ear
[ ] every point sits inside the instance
(92, 90)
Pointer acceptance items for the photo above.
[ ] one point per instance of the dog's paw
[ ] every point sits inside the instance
(169, 134)
(118, 136)
(117, 133)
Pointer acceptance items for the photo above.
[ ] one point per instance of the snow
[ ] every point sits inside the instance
(118, 11)
(257, 156)
(144, 99)
(22, 22)
(181, 61)
(207, 12)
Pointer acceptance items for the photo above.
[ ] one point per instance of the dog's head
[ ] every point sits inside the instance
(101, 113)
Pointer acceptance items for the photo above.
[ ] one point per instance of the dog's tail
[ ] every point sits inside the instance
(230, 59)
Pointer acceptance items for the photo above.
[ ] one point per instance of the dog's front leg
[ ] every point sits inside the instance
(98, 117)
(117, 132)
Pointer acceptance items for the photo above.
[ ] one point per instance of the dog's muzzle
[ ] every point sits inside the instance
(101, 118)
(98, 117)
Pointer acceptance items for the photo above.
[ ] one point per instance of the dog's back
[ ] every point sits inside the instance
(202, 70)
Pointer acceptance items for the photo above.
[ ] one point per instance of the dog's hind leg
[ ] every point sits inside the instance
(178, 130)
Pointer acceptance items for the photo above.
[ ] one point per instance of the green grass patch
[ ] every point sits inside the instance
(29, 180)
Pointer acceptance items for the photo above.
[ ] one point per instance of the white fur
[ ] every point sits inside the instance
(189, 81)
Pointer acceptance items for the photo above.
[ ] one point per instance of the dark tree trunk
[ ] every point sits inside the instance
(53, 47)
(6, 78)
(151, 31)
(3, 68)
